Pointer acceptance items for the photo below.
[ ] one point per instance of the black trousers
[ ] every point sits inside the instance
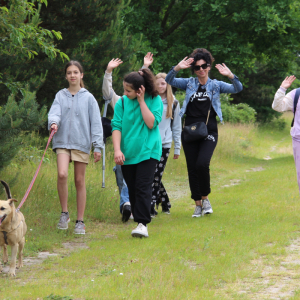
(159, 193)
(198, 155)
(139, 179)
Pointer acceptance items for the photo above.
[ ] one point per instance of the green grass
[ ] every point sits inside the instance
(216, 257)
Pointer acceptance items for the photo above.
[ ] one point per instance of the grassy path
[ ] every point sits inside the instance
(247, 249)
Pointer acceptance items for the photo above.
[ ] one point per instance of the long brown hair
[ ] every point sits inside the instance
(170, 97)
(143, 77)
(79, 66)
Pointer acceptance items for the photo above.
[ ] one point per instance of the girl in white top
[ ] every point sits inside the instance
(283, 102)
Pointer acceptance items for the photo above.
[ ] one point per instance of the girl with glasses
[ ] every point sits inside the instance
(202, 96)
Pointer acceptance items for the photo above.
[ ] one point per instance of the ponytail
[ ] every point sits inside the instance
(143, 77)
(79, 66)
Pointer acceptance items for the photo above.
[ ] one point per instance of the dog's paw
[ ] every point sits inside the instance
(19, 265)
(11, 273)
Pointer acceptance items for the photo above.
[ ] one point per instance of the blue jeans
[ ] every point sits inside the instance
(123, 189)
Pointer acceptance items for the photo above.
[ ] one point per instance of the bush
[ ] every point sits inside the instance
(236, 113)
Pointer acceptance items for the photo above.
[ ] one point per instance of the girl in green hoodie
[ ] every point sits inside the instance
(137, 142)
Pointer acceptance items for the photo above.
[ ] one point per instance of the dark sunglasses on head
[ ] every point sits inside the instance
(204, 66)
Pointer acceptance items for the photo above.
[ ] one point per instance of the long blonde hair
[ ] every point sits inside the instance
(170, 97)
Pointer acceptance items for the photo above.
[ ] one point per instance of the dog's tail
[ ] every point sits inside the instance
(7, 190)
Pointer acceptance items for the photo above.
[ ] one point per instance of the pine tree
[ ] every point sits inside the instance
(17, 117)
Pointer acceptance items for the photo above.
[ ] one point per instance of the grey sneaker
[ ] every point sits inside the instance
(63, 221)
(198, 212)
(79, 227)
(206, 207)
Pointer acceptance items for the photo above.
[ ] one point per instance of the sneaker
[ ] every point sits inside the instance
(166, 207)
(206, 206)
(198, 212)
(79, 227)
(153, 212)
(140, 231)
(126, 211)
(63, 221)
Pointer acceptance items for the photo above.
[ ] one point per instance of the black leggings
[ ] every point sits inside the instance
(198, 155)
(139, 179)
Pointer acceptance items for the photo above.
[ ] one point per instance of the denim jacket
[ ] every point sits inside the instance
(213, 88)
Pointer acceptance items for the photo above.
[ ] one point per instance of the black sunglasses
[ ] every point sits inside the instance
(204, 66)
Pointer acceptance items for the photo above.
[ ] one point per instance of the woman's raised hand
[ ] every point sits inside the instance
(184, 64)
(224, 70)
(148, 59)
(115, 62)
(287, 82)
(140, 94)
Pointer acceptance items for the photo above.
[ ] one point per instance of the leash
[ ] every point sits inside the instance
(36, 173)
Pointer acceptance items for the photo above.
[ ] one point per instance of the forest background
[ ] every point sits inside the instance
(258, 40)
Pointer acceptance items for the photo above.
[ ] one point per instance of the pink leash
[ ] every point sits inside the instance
(36, 173)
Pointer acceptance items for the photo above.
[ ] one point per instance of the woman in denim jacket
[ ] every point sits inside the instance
(201, 91)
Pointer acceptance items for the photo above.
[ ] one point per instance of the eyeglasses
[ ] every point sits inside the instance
(204, 66)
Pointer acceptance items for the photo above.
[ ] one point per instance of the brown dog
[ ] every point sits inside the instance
(12, 231)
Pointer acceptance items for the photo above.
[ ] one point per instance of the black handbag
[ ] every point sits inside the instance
(196, 131)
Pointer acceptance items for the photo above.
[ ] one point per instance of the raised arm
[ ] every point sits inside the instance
(281, 101)
(107, 90)
(180, 83)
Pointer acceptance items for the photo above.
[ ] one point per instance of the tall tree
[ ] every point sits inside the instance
(21, 39)
(243, 34)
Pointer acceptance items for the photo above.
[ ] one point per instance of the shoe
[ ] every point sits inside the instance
(153, 212)
(140, 231)
(63, 221)
(206, 207)
(166, 211)
(166, 207)
(126, 211)
(79, 227)
(198, 212)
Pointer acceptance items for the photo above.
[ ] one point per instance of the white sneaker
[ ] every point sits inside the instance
(140, 231)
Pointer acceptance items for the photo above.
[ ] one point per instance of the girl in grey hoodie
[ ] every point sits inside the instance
(170, 128)
(75, 118)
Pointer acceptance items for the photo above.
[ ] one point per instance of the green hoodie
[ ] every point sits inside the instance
(138, 142)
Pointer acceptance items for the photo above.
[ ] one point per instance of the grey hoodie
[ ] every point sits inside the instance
(166, 132)
(78, 119)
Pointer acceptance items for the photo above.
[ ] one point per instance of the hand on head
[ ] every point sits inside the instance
(115, 62)
(148, 59)
(287, 82)
(224, 70)
(140, 93)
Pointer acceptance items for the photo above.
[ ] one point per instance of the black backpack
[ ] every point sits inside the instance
(295, 103)
(175, 103)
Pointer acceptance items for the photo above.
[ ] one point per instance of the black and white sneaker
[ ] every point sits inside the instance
(126, 211)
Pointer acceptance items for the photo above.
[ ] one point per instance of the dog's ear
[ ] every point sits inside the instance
(7, 190)
(11, 201)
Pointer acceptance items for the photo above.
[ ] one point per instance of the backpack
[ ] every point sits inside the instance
(296, 98)
(175, 103)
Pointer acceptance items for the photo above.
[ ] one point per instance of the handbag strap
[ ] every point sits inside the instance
(212, 95)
